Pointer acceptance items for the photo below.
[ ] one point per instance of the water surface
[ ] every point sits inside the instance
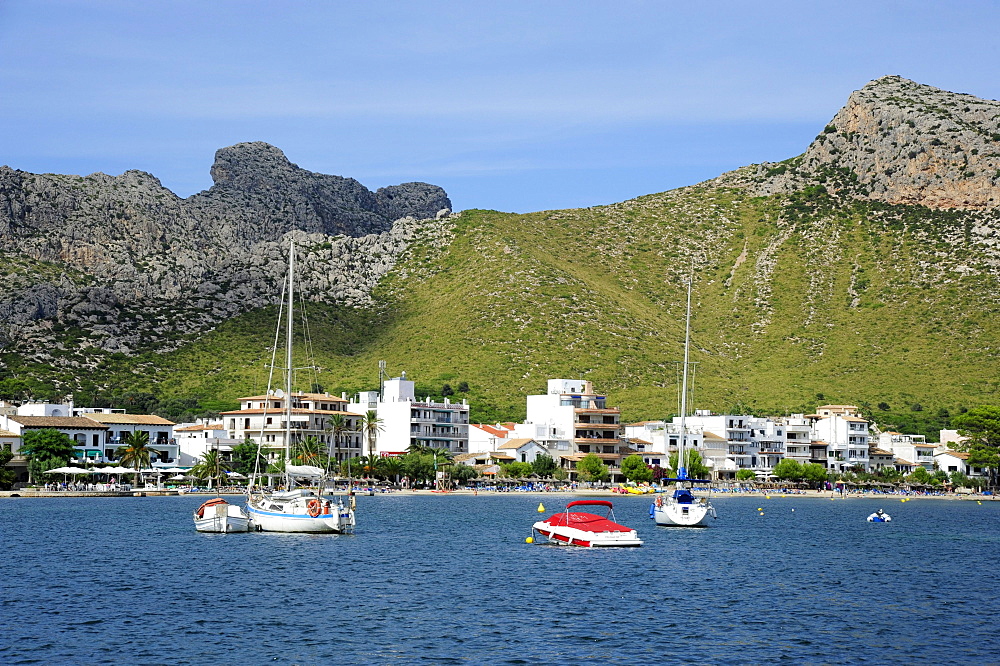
(450, 579)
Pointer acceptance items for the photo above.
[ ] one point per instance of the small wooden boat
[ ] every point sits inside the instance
(587, 530)
(218, 515)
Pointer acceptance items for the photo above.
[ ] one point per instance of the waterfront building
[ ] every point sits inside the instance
(262, 418)
(722, 440)
(194, 440)
(958, 461)
(573, 415)
(88, 436)
(523, 449)
(407, 421)
(845, 435)
(162, 446)
(912, 448)
(11, 441)
(798, 438)
(484, 438)
(880, 458)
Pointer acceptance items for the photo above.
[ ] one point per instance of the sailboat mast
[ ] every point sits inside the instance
(288, 361)
(681, 461)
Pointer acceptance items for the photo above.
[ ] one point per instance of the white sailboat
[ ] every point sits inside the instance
(296, 509)
(680, 508)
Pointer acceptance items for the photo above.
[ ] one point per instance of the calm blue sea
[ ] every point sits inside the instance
(450, 580)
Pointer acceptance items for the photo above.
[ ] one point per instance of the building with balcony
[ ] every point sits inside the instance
(163, 447)
(798, 439)
(845, 434)
(911, 448)
(408, 421)
(194, 440)
(263, 419)
(572, 416)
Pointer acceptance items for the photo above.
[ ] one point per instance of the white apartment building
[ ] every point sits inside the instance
(911, 448)
(194, 440)
(96, 432)
(649, 441)
(845, 435)
(572, 415)
(958, 461)
(723, 440)
(263, 418)
(484, 438)
(408, 421)
(798, 437)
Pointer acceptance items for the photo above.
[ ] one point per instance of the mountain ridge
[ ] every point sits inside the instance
(819, 275)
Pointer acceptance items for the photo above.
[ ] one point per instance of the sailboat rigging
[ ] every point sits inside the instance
(681, 508)
(295, 509)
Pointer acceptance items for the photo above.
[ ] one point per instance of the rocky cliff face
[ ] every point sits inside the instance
(132, 265)
(900, 142)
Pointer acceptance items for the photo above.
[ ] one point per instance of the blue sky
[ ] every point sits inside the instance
(517, 106)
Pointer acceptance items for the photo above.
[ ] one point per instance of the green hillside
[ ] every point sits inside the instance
(798, 300)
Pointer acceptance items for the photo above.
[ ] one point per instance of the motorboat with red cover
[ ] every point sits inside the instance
(588, 530)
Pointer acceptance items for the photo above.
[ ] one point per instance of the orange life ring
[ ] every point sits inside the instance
(313, 507)
(659, 501)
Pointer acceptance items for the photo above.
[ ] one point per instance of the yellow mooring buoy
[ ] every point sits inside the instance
(530, 540)
(541, 508)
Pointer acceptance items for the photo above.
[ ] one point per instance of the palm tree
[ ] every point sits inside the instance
(135, 452)
(308, 452)
(211, 467)
(392, 467)
(339, 425)
(372, 465)
(371, 425)
(416, 447)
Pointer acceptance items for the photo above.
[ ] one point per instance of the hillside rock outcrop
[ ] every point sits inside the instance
(132, 265)
(899, 142)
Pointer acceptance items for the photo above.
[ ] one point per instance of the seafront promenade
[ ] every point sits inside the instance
(568, 494)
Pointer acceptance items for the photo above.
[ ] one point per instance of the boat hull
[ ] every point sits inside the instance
(221, 518)
(586, 531)
(278, 515)
(676, 514)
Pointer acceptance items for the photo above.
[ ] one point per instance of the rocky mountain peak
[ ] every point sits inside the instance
(250, 166)
(900, 142)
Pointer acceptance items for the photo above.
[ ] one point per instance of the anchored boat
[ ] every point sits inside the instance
(681, 508)
(879, 516)
(295, 509)
(587, 530)
(218, 515)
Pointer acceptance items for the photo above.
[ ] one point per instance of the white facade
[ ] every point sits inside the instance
(408, 421)
(96, 433)
(263, 418)
(956, 461)
(798, 437)
(194, 440)
(847, 440)
(485, 438)
(571, 414)
(912, 448)
(523, 450)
